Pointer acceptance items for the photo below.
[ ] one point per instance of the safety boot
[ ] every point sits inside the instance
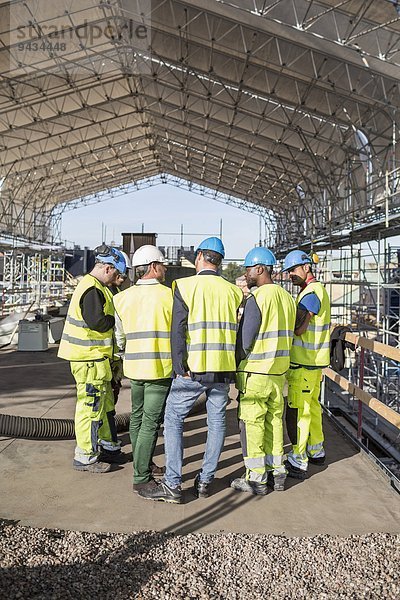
(201, 488)
(114, 457)
(295, 472)
(276, 482)
(156, 470)
(241, 484)
(160, 491)
(94, 467)
(137, 487)
(320, 461)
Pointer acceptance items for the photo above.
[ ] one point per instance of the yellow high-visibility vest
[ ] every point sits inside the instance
(145, 311)
(271, 351)
(213, 303)
(312, 348)
(78, 342)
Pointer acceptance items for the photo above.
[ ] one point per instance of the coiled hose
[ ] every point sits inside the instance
(33, 428)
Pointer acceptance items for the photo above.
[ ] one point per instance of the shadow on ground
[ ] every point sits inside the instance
(80, 565)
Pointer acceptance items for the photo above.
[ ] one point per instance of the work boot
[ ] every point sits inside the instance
(241, 484)
(94, 467)
(115, 457)
(156, 470)
(159, 490)
(136, 487)
(276, 482)
(317, 461)
(201, 488)
(295, 472)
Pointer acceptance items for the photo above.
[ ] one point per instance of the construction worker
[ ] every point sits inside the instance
(263, 346)
(308, 356)
(203, 337)
(87, 342)
(145, 312)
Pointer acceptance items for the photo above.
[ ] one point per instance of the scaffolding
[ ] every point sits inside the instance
(289, 108)
(31, 277)
(363, 282)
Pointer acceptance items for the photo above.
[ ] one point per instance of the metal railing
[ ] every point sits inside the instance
(357, 391)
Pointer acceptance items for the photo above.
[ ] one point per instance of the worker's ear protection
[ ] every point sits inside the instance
(315, 258)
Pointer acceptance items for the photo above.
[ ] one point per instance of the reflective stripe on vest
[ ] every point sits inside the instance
(212, 303)
(212, 325)
(211, 346)
(78, 341)
(274, 334)
(145, 312)
(148, 356)
(141, 335)
(77, 322)
(312, 348)
(271, 349)
(268, 355)
(313, 327)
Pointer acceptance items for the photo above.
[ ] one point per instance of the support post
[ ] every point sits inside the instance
(361, 386)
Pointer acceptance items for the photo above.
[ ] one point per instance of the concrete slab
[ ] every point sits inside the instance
(38, 486)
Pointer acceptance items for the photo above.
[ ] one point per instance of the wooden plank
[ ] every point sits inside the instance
(378, 347)
(376, 405)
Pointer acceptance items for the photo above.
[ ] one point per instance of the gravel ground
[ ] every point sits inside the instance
(53, 564)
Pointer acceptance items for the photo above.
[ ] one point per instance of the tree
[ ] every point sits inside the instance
(232, 271)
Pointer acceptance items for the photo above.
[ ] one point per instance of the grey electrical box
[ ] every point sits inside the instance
(33, 336)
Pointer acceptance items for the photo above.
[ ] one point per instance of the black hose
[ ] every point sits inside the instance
(36, 428)
(47, 429)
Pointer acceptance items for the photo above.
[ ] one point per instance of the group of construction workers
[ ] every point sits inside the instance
(180, 343)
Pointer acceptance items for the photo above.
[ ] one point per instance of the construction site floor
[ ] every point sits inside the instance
(38, 486)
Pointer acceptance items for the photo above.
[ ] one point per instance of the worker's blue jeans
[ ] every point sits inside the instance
(182, 396)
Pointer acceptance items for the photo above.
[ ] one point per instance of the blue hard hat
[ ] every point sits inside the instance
(296, 258)
(214, 244)
(111, 256)
(259, 256)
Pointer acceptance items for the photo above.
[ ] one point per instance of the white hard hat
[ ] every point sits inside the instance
(145, 255)
(127, 259)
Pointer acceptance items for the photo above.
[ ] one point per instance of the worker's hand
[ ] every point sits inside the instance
(117, 369)
(184, 376)
(116, 387)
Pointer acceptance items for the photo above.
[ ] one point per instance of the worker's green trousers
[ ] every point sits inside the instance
(95, 411)
(148, 402)
(304, 387)
(261, 407)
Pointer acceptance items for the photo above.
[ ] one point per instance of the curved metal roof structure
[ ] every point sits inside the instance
(286, 107)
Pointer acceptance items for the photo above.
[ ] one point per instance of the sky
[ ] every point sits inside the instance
(162, 209)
